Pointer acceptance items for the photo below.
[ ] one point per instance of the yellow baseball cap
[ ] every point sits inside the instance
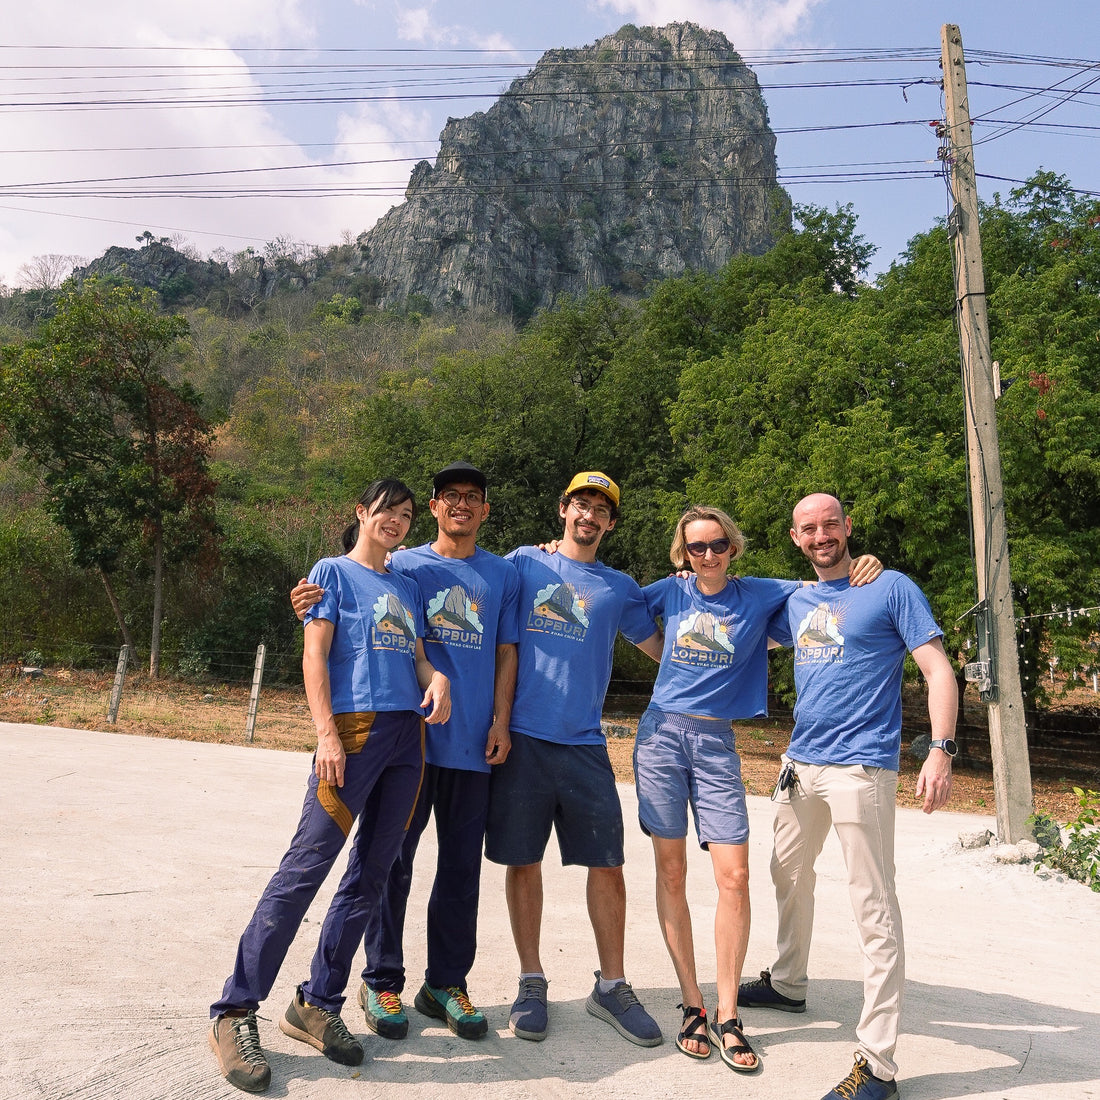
(593, 479)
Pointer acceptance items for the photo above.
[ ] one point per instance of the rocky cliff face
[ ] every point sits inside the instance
(639, 157)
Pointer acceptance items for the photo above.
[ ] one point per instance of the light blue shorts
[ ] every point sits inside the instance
(682, 761)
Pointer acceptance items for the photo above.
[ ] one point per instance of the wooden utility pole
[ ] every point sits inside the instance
(997, 670)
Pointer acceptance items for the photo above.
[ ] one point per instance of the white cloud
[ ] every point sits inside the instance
(183, 52)
(748, 25)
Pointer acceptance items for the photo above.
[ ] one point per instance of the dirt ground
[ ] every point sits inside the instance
(218, 713)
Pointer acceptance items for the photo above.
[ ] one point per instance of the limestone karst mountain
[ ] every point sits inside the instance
(641, 156)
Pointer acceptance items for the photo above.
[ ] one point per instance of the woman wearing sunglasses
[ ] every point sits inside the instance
(713, 670)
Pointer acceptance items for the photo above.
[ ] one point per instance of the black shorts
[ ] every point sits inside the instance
(568, 788)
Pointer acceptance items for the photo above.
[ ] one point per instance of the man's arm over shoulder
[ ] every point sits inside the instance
(934, 782)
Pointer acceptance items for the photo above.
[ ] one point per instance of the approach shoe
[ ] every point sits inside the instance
(384, 1012)
(862, 1084)
(321, 1029)
(235, 1041)
(528, 1019)
(759, 994)
(452, 1004)
(621, 1008)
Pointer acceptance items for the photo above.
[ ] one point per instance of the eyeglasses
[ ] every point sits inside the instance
(600, 511)
(473, 497)
(715, 546)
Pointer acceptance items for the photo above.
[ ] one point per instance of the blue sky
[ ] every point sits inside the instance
(212, 87)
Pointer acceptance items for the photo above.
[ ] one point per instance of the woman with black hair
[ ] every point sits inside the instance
(367, 680)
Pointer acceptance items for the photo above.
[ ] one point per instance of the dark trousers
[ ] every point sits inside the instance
(460, 800)
(382, 774)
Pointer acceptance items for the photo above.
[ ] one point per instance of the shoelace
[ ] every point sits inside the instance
(625, 995)
(851, 1083)
(389, 1002)
(337, 1024)
(246, 1038)
(463, 1001)
(531, 989)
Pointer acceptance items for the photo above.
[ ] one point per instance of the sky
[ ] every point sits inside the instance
(229, 125)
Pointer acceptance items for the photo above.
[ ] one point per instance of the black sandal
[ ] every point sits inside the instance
(718, 1033)
(695, 1021)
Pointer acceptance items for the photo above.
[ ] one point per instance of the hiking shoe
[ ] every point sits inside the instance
(321, 1029)
(528, 1019)
(623, 1011)
(384, 1012)
(862, 1084)
(759, 994)
(235, 1041)
(451, 1004)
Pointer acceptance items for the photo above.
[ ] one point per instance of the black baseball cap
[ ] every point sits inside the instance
(458, 472)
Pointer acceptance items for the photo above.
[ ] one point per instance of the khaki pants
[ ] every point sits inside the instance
(859, 803)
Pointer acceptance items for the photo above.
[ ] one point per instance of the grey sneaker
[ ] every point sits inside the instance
(321, 1029)
(759, 994)
(624, 1012)
(235, 1041)
(528, 1019)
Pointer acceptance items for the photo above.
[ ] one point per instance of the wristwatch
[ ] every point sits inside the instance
(947, 745)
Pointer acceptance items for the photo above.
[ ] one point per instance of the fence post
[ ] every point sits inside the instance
(120, 679)
(254, 698)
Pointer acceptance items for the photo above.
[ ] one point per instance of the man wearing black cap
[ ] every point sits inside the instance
(470, 602)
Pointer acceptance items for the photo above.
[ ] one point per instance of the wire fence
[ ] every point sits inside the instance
(258, 695)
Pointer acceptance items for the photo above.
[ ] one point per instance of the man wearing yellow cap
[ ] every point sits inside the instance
(558, 776)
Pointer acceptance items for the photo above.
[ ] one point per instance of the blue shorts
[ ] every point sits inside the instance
(682, 761)
(568, 788)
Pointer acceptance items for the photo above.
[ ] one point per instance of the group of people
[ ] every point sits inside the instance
(526, 642)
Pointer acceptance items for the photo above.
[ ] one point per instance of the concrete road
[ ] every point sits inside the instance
(129, 867)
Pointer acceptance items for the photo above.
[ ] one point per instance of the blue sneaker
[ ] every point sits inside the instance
(862, 1084)
(528, 1019)
(624, 1012)
(384, 1012)
(759, 994)
(452, 1005)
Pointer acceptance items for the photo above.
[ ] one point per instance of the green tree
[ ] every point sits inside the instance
(122, 452)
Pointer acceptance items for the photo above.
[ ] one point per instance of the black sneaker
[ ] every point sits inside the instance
(862, 1084)
(235, 1041)
(759, 994)
(321, 1029)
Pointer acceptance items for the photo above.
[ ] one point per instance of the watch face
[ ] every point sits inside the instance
(947, 745)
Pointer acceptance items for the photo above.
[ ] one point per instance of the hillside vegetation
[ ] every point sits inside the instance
(777, 375)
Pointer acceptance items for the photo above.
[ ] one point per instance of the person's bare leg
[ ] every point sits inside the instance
(674, 917)
(523, 892)
(731, 928)
(607, 912)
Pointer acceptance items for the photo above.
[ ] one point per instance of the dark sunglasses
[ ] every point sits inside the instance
(716, 547)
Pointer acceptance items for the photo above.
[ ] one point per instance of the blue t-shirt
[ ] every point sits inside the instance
(569, 614)
(850, 646)
(715, 657)
(377, 619)
(470, 608)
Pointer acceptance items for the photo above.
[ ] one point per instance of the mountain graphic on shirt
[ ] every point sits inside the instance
(452, 607)
(820, 628)
(392, 616)
(704, 630)
(559, 601)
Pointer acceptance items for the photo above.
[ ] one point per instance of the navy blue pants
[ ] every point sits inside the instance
(382, 776)
(460, 800)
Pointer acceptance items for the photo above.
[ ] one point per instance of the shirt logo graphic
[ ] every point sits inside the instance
(559, 609)
(818, 637)
(454, 618)
(702, 638)
(393, 625)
